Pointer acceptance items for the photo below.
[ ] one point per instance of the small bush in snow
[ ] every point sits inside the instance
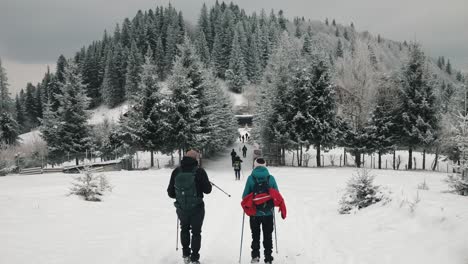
(423, 186)
(411, 203)
(457, 184)
(361, 192)
(90, 186)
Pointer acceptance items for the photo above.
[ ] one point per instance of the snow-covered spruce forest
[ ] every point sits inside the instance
(315, 85)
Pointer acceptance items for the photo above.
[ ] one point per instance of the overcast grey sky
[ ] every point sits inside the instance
(33, 33)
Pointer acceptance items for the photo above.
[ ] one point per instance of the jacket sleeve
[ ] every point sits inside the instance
(205, 183)
(248, 187)
(171, 187)
(273, 183)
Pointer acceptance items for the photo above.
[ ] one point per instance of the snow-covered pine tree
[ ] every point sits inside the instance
(50, 128)
(60, 70)
(113, 87)
(20, 118)
(154, 110)
(271, 123)
(134, 69)
(417, 113)
(459, 181)
(307, 46)
(39, 99)
(204, 25)
(448, 68)
(222, 126)
(202, 49)
(253, 63)
(9, 130)
(159, 58)
(339, 49)
(382, 129)
(30, 106)
(186, 83)
(5, 100)
(236, 75)
(313, 105)
(72, 117)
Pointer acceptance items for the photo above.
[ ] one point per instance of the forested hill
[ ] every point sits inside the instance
(236, 45)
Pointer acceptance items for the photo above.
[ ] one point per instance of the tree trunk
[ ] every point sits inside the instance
(284, 156)
(344, 157)
(436, 159)
(424, 160)
(180, 155)
(301, 154)
(297, 157)
(410, 158)
(152, 159)
(318, 155)
(394, 159)
(357, 158)
(380, 160)
(77, 161)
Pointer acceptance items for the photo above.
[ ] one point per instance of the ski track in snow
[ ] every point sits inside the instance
(136, 223)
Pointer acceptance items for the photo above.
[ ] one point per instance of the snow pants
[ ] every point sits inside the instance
(266, 225)
(237, 174)
(191, 221)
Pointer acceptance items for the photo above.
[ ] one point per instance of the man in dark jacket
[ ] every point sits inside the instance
(244, 151)
(191, 214)
(233, 156)
(237, 167)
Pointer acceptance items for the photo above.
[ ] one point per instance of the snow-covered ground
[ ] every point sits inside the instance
(136, 223)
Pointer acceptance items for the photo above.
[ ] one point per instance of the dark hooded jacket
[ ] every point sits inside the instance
(201, 178)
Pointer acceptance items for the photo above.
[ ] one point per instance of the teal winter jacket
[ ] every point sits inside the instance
(260, 173)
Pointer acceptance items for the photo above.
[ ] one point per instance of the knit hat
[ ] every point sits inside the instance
(192, 154)
(259, 162)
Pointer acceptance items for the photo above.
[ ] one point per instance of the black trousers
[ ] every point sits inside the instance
(266, 225)
(191, 221)
(237, 174)
(244, 154)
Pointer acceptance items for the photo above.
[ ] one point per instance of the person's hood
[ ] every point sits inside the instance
(260, 172)
(188, 162)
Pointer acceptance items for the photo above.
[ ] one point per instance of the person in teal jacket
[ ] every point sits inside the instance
(263, 220)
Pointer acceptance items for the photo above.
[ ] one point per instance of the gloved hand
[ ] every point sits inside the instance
(283, 212)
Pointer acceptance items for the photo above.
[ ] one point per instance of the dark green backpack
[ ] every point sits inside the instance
(186, 191)
(237, 165)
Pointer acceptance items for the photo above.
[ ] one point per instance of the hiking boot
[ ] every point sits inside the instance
(186, 259)
(195, 262)
(255, 260)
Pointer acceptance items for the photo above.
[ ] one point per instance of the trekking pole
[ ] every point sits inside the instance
(220, 189)
(177, 235)
(242, 237)
(274, 226)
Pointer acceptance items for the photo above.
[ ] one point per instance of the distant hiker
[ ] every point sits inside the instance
(258, 200)
(246, 136)
(243, 138)
(240, 138)
(187, 185)
(233, 156)
(244, 151)
(237, 167)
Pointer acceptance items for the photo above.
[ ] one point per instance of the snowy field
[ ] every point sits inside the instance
(136, 223)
